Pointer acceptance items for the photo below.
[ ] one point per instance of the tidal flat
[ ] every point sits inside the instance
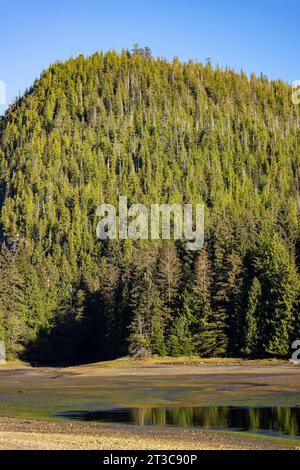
(45, 394)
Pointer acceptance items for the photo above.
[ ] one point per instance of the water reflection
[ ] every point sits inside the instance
(265, 420)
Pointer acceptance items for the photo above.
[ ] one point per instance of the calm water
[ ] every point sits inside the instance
(284, 421)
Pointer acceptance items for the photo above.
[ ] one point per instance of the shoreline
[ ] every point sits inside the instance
(31, 395)
(24, 434)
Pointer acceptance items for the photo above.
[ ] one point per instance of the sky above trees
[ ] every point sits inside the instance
(256, 36)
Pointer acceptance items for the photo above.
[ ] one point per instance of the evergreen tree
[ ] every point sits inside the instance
(280, 288)
(145, 304)
(206, 326)
(94, 128)
(12, 304)
(252, 320)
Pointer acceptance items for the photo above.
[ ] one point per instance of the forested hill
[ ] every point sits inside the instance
(94, 128)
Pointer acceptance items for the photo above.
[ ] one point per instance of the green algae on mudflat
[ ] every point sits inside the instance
(41, 393)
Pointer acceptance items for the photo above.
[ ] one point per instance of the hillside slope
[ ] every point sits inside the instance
(94, 128)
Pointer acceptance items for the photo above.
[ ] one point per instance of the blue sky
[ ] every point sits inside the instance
(256, 36)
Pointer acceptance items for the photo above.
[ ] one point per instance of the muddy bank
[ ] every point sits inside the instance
(30, 398)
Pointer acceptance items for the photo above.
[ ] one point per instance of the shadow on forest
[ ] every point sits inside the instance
(74, 339)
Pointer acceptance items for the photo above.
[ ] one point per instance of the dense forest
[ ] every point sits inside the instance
(91, 129)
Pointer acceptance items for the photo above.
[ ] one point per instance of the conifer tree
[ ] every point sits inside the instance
(206, 326)
(12, 311)
(94, 128)
(252, 320)
(280, 287)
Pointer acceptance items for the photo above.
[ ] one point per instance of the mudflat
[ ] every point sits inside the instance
(31, 398)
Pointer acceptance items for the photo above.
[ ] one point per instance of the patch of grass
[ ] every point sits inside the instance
(279, 442)
(14, 362)
(185, 361)
(275, 441)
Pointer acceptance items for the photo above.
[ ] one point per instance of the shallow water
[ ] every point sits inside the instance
(281, 421)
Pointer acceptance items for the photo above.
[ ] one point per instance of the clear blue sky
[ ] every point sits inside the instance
(257, 36)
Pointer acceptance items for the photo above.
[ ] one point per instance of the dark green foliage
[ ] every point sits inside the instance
(13, 328)
(94, 128)
(280, 289)
(207, 327)
(252, 319)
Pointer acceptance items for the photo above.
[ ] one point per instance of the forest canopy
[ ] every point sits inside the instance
(92, 129)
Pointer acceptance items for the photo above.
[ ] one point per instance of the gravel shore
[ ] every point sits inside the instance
(19, 434)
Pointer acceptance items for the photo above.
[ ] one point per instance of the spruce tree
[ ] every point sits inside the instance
(252, 320)
(12, 303)
(280, 289)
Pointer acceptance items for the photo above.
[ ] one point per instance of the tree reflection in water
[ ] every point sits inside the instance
(275, 420)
